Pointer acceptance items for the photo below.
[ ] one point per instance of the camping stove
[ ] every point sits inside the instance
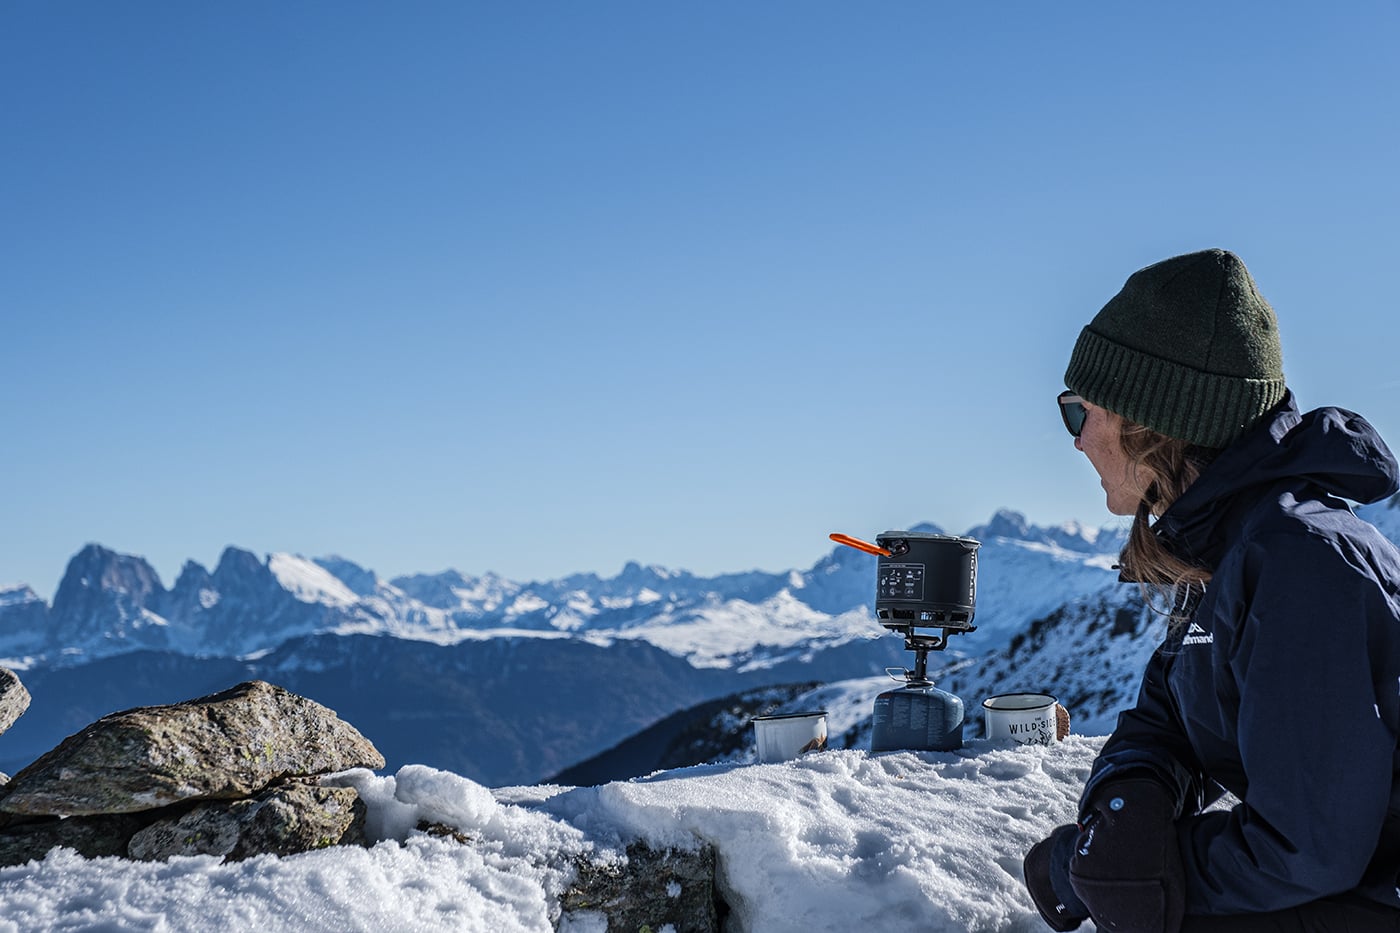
(926, 591)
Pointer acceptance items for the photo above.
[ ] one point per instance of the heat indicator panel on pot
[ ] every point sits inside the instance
(901, 581)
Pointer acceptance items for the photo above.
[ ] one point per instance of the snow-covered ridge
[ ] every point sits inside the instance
(309, 582)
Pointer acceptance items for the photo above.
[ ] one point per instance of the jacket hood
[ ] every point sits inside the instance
(1329, 449)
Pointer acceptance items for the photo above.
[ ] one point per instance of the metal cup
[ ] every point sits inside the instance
(1024, 718)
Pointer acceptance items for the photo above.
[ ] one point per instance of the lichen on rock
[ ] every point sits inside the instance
(230, 745)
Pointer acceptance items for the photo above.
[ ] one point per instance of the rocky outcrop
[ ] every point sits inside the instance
(650, 890)
(93, 836)
(235, 774)
(296, 817)
(14, 699)
(225, 746)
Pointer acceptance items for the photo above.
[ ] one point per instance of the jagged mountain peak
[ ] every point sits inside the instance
(1071, 535)
(236, 561)
(193, 575)
(632, 571)
(92, 552)
(634, 578)
(450, 589)
(360, 580)
(105, 598)
(97, 567)
(13, 594)
(1005, 524)
(447, 577)
(23, 612)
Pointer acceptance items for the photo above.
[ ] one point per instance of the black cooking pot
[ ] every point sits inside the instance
(926, 580)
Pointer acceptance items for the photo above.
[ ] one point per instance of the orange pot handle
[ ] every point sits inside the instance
(860, 545)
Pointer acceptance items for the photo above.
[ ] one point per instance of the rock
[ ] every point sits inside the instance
(284, 820)
(14, 699)
(234, 775)
(443, 831)
(650, 890)
(91, 836)
(226, 746)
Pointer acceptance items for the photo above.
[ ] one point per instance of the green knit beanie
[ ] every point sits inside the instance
(1188, 348)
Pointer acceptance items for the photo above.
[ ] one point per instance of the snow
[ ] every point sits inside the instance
(308, 581)
(1023, 580)
(717, 635)
(525, 604)
(923, 840)
(643, 597)
(14, 594)
(848, 703)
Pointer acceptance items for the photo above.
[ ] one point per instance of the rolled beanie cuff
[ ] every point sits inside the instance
(1176, 400)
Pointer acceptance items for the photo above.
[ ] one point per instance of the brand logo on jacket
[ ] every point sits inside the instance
(1195, 635)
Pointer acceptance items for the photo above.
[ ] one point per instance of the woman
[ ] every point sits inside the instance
(1279, 680)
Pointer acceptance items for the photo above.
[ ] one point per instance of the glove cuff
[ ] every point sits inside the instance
(1047, 878)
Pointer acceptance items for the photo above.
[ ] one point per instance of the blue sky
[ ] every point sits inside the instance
(542, 288)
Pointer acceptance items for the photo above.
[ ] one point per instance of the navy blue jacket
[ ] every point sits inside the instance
(1284, 686)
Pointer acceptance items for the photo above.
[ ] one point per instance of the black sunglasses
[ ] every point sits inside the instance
(1072, 410)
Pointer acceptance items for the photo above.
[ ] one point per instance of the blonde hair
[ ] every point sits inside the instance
(1171, 465)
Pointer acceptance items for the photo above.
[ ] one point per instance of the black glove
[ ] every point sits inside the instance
(1047, 878)
(1126, 865)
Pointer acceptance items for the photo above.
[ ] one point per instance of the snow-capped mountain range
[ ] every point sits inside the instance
(109, 603)
(508, 682)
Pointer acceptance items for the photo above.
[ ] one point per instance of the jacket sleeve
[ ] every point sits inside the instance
(1317, 758)
(1149, 737)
